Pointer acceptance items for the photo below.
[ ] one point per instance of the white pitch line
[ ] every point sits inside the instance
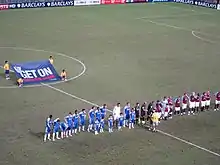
(203, 39)
(164, 133)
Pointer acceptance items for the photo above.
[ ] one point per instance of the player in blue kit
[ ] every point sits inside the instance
(91, 119)
(127, 110)
(97, 126)
(120, 122)
(98, 114)
(103, 110)
(82, 118)
(110, 124)
(76, 121)
(56, 129)
(64, 129)
(48, 128)
(132, 119)
(69, 121)
(102, 125)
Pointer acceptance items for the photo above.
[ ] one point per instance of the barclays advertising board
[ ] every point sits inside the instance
(206, 4)
(40, 4)
(184, 1)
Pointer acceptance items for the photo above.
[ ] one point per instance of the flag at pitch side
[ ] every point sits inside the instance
(35, 72)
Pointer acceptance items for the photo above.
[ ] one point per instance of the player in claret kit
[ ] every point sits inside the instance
(56, 128)
(217, 101)
(132, 119)
(69, 120)
(82, 117)
(197, 102)
(158, 108)
(76, 121)
(192, 104)
(48, 128)
(121, 122)
(208, 100)
(203, 101)
(91, 119)
(185, 99)
(177, 105)
(110, 124)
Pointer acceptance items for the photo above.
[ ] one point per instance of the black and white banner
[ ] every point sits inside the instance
(86, 2)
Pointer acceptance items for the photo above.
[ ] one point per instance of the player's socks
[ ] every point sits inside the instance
(53, 138)
(132, 125)
(79, 129)
(129, 126)
(45, 137)
(83, 128)
(75, 131)
(48, 136)
(96, 133)
(109, 130)
(70, 132)
(62, 133)
(57, 135)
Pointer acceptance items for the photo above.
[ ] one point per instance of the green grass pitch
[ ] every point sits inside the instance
(138, 52)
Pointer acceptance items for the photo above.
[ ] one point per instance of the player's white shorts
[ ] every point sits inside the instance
(159, 114)
(203, 103)
(207, 103)
(191, 104)
(184, 106)
(166, 114)
(116, 117)
(177, 108)
(217, 102)
(155, 123)
(197, 104)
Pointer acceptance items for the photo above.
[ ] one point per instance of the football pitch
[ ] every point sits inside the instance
(113, 53)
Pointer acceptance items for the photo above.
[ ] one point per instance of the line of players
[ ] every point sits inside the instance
(155, 111)
(74, 123)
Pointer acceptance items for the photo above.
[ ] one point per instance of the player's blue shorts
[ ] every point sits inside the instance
(103, 116)
(121, 123)
(76, 125)
(132, 121)
(70, 126)
(91, 121)
(6, 71)
(47, 130)
(56, 129)
(82, 123)
(127, 117)
(63, 128)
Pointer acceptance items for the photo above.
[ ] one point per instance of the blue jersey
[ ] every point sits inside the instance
(56, 125)
(48, 125)
(102, 123)
(98, 115)
(91, 116)
(63, 126)
(82, 116)
(127, 110)
(69, 120)
(132, 116)
(97, 125)
(76, 120)
(121, 121)
(103, 112)
(110, 122)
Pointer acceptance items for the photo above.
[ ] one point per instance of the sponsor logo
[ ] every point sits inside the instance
(3, 7)
(32, 74)
(161, 0)
(206, 4)
(112, 2)
(41, 4)
(184, 1)
(87, 2)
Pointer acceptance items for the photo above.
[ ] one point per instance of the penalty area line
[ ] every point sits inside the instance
(161, 132)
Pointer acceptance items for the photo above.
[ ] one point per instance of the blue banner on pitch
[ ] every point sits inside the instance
(36, 72)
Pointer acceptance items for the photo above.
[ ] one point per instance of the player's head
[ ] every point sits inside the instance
(63, 70)
(97, 108)
(93, 107)
(51, 57)
(76, 111)
(118, 104)
(6, 62)
(50, 116)
(137, 104)
(104, 105)
(83, 110)
(128, 103)
(58, 120)
(70, 113)
(198, 94)
(110, 115)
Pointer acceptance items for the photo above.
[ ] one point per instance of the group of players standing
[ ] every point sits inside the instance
(153, 112)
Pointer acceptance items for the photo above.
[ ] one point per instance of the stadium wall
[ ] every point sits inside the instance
(22, 4)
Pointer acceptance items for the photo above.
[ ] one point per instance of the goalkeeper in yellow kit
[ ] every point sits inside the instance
(154, 121)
